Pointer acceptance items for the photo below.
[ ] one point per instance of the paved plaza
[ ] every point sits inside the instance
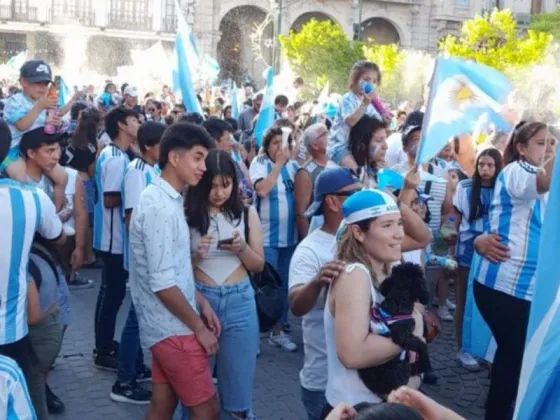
(85, 389)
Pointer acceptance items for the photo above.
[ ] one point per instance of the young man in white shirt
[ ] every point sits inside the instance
(176, 322)
(313, 266)
(108, 229)
(24, 210)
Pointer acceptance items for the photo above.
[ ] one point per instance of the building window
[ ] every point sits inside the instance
(462, 3)
(73, 10)
(131, 14)
(169, 17)
(22, 11)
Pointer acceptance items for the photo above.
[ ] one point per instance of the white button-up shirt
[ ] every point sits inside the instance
(159, 259)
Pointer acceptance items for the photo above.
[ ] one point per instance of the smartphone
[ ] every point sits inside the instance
(224, 242)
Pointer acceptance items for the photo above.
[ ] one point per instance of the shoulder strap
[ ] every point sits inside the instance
(428, 187)
(246, 223)
(45, 255)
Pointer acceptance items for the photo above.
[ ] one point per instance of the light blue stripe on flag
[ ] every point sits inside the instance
(460, 93)
(539, 385)
(64, 95)
(477, 338)
(234, 102)
(266, 116)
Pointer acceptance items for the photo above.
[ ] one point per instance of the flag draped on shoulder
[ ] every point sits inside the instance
(460, 93)
(539, 384)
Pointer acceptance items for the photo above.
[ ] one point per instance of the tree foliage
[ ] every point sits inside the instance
(494, 40)
(321, 52)
(390, 59)
(547, 22)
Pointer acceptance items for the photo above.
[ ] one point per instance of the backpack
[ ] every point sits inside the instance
(267, 287)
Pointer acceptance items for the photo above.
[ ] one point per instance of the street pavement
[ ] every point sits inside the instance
(85, 389)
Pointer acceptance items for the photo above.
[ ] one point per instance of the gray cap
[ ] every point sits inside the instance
(312, 133)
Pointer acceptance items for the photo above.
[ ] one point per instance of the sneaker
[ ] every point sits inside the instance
(430, 378)
(467, 361)
(444, 314)
(450, 305)
(54, 404)
(282, 340)
(145, 375)
(80, 282)
(287, 328)
(130, 392)
(106, 361)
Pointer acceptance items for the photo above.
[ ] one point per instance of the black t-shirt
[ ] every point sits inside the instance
(78, 159)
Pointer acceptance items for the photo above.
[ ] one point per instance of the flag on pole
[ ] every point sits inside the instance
(186, 57)
(539, 384)
(266, 116)
(461, 91)
(15, 62)
(234, 102)
(64, 94)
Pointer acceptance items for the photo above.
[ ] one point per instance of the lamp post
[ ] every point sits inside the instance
(278, 5)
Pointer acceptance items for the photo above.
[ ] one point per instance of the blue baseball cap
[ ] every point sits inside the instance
(328, 182)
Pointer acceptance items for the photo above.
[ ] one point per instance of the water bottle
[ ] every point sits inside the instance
(448, 228)
(448, 263)
(49, 127)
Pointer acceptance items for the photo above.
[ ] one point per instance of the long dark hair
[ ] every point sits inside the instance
(360, 138)
(476, 209)
(218, 163)
(522, 133)
(86, 130)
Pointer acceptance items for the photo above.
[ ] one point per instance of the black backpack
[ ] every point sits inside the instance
(267, 286)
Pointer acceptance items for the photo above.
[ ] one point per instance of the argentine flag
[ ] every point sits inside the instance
(265, 120)
(538, 396)
(64, 94)
(461, 92)
(186, 59)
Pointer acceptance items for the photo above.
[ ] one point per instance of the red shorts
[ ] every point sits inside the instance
(181, 362)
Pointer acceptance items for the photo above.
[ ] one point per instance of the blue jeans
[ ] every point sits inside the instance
(131, 358)
(314, 402)
(238, 343)
(280, 259)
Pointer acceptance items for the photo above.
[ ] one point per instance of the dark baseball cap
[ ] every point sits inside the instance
(412, 123)
(328, 182)
(35, 71)
(33, 139)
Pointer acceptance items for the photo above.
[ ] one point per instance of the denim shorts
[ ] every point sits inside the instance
(464, 253)
(236, 360)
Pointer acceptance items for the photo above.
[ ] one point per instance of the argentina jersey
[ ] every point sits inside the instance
(108, 223)
(277, 210)
(468, 231)
(24, 210)
(138, 175)
(516, 215)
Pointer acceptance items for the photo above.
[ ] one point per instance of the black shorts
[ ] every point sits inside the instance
(21, 352)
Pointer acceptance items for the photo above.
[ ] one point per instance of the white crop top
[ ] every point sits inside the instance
(219, 264)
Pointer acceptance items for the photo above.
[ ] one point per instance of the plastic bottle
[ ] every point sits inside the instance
(448, 228)
(448, 263)
(53, 94)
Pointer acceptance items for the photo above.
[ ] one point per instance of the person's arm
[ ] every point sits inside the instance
(417, 234)
(356, 346)
(34, 312)
(544, 177)
(252, 256)
(490, 247)
(134, 184)
(112, 178)
(50, 226)
(81, 222)
(353, 116)
(302, 193)
(263, 181)
(447, 205)
(24, 122)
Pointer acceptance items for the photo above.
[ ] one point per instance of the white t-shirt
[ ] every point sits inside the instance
(395, 154)
(317, 249)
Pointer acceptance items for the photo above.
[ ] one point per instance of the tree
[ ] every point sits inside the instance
(321, 52)
(493, 39)
(547, 22)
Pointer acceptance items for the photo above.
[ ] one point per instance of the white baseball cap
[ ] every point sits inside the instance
(131, 91)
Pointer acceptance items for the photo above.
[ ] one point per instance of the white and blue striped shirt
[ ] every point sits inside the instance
(15, 403)
(516, 214)
(462, 202)
(139, 174)
(24, 210)
(277, 211)
(108, 223)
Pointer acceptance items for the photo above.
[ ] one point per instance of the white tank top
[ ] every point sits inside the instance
(343, 384)
(219, 264)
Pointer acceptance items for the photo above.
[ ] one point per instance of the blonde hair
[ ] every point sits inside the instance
(350, 250)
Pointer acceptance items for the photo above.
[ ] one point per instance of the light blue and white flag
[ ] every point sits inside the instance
(265, 120)
(187, 58)
(477, 337)
(461, 91)
(64, 94)
(17, 60)
(234, 102)
(539, 385)
(388, 178)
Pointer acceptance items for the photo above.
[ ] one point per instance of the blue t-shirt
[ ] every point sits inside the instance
(16, 107)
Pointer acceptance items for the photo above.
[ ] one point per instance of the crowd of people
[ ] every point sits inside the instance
(188, 210)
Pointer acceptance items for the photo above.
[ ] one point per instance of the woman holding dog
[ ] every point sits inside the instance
(370, 240)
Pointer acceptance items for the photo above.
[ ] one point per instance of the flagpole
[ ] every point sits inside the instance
(428, 112)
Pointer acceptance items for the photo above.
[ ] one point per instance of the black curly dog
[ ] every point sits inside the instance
(401, 289)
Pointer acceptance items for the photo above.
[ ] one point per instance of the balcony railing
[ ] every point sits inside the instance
(69, 11)
(169, 24)
(21, 13)
(123, 20)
